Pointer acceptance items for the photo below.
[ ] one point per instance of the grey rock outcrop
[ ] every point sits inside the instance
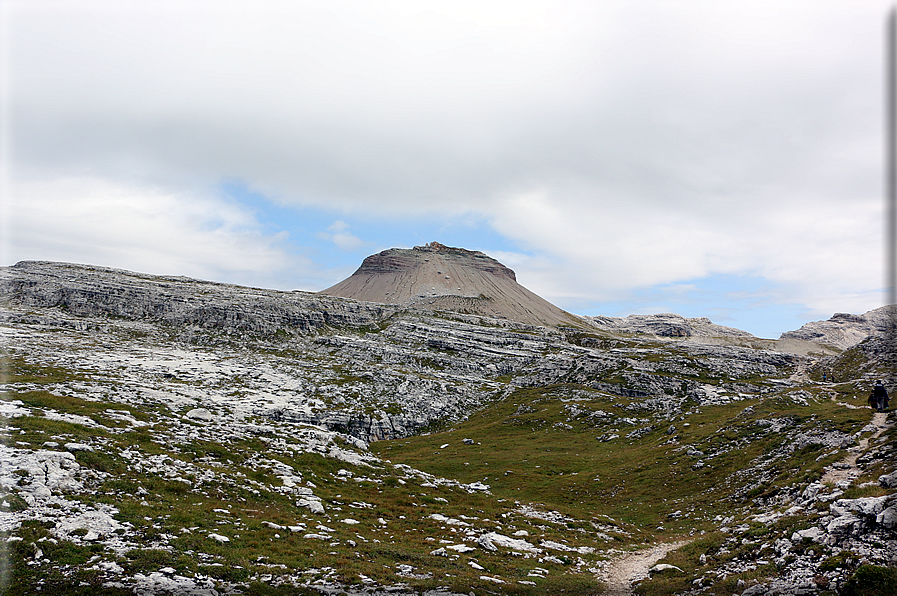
(666, 325)
(456, 360)
(90, 291)
(39, 474)
(844, 330)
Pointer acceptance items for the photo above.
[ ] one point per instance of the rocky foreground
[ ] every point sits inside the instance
(172, 436)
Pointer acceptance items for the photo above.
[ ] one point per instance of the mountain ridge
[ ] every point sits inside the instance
(841, 331)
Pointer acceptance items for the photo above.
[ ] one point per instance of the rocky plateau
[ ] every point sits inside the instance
(429, 426)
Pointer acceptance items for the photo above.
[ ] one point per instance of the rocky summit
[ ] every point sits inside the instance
(844, 330)
(164, 435)
(440, 277)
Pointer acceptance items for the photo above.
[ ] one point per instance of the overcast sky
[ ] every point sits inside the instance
(716, 158)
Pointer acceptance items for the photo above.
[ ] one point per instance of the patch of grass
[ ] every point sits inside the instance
(257, 588)
(53, 557)
(18, 370)
(147, 440)
(53, 584)
(147, 560)
(11, 503)
(39, 429)
(844, 559)
(871, 580)
(528, 448)
(74, 405)
(102, 462)
(215, 450)
(856, 492)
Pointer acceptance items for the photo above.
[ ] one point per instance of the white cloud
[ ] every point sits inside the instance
(341, 237)
(622, 145)
(820, 254)
(154, 230)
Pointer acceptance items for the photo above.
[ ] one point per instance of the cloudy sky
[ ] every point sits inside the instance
(719, 159)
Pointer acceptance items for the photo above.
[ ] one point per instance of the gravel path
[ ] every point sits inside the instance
(847, 469)
(623, 571)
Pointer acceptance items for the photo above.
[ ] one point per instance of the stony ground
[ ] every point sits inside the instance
(193, 451)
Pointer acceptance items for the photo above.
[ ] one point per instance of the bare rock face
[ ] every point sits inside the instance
(846, 330)
(667, 325)
(91, 291)
(438, 277)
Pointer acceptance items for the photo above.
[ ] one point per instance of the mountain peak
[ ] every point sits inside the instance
(440, 277)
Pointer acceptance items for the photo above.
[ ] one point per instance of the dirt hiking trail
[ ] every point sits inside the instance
(847, 469)
(626, 569)
(623, 571)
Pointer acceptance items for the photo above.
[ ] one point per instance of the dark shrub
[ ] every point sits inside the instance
(871, 580)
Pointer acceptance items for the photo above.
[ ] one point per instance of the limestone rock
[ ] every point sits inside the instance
(844, 330)
(97, 523)
(200, 414)
(667, 325)
(867, 506)
(888, 480)
(663, 567)
(40, 474)
(90, 291)
(492, 540)
(888, 518)
(75, 447)
(313, 504)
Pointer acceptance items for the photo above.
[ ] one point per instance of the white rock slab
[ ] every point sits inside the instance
(200, 414)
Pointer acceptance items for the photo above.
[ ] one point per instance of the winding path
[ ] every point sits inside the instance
(620, 573)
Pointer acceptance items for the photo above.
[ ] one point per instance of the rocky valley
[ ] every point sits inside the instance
(165, 435)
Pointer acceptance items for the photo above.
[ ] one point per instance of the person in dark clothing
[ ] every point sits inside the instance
(879, 398)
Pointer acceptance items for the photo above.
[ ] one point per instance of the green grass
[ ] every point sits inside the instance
(871, 580)
(401, 541)
(61, 575)
(522, 453)
(97, 411)
(168, 507)
(16, 369)
(37, 430)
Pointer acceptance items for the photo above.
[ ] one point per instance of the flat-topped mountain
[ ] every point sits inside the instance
(439, 277)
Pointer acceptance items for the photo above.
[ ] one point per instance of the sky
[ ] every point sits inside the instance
(720, 159)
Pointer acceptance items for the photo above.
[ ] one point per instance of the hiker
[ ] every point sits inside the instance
(879, 397)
